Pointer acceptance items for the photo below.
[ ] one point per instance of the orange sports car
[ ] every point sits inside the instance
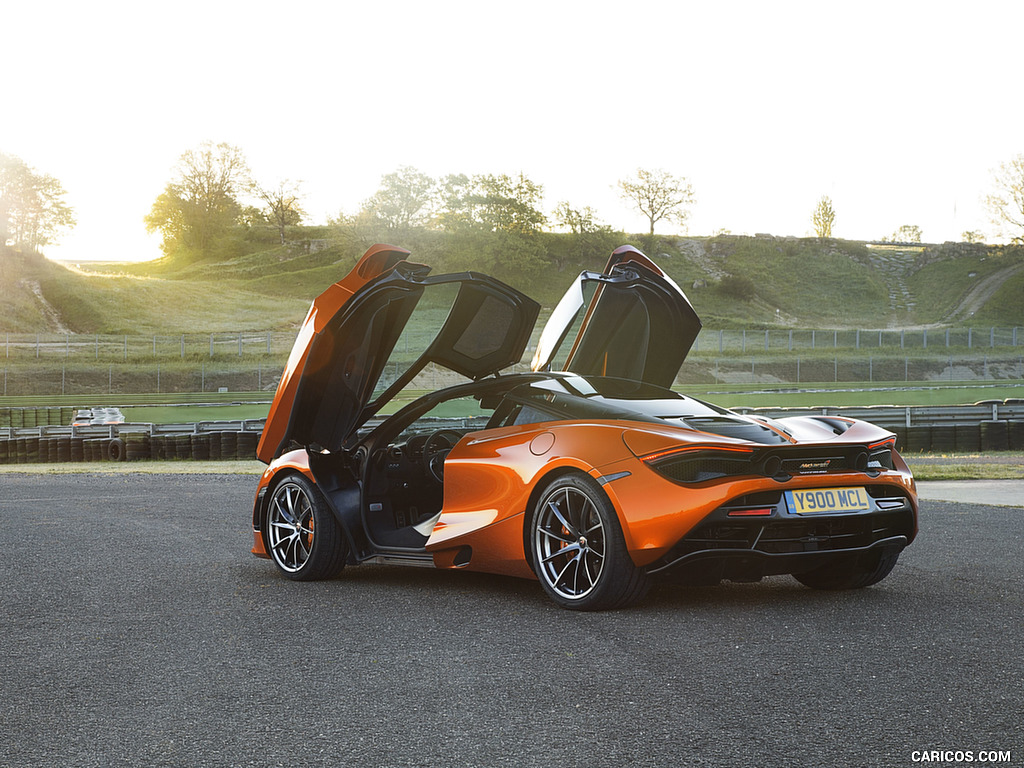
(588, 473)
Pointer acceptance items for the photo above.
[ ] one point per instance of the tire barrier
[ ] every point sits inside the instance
(988, 436)
(246, 445)
(995, 436)
(137, 446)
(50, 416)
(1016, 435)
(201, 447)
(968, 438)
(919, 439)
(130, 446)
(228, 445)
(182, 447)
(943, 438)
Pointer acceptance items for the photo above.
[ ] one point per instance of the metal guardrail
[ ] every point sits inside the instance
(892, 416)
(122, 429)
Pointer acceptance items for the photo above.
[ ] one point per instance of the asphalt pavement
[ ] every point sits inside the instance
(139, 631)
(999, 493)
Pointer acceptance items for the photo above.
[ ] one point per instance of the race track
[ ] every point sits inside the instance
(138, 631)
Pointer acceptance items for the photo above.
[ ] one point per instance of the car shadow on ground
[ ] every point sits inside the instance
(399, 584)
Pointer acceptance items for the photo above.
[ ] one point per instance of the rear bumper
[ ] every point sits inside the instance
(713, 565)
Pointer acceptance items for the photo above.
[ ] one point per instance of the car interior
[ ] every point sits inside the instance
(403, 473)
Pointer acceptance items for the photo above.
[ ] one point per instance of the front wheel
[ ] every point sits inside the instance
(578, 550)
(303, 537)
(851, 573)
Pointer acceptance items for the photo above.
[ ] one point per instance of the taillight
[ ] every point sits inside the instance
(880, 454)
(696, 463)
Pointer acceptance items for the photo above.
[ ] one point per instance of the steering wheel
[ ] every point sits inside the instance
(436, 450)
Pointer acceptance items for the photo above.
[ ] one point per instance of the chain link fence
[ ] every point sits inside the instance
(252, 361)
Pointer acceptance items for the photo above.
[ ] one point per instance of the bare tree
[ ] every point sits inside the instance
(658, 195)
(1006, 203)
(824, 217)
(282, 204)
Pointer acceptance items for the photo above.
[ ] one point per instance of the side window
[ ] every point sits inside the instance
(420, 326)
(530, 415)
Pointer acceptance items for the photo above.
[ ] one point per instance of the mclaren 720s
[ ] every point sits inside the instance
(587, 473)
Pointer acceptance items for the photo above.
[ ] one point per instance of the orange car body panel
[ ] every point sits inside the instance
(489, 477)
(293, 461)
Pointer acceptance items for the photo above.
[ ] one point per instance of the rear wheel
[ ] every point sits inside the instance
(851, 573)
(578, 550)
(303, 537)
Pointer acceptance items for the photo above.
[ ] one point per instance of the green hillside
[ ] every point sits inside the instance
(734, 282)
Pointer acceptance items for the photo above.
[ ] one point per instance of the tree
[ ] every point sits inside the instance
(495, 222)
(33, 212)
(493, 203)
(658, 195)
(510, 204)
(281, 203)
(1006, 203)
(908, 233)
(455, 203)
(824, 217)
(587, 233)
(973, 236)
(199, 206)
(403, 199)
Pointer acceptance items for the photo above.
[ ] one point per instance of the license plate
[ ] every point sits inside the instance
(816, 501)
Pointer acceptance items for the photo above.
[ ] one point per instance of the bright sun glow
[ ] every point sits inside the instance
(898, 111)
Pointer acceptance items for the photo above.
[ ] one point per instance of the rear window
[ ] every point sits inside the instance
(596, 398)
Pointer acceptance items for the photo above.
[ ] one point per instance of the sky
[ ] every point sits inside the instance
(897, 111)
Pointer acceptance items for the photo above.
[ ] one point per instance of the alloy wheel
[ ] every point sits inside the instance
(290, 530)
(570, 542)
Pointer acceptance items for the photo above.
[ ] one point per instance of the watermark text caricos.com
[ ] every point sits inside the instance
(960, 756)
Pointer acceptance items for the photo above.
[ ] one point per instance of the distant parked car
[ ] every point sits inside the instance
(588, 473)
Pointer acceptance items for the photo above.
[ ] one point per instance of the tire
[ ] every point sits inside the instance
(116, 450)
(852, 573)
(229, 445)
(302, 536)
(577, 548)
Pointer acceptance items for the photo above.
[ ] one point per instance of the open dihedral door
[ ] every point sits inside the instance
(346, 363)
(631, 321)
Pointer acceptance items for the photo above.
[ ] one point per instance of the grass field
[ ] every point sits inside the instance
(187, 414)
(976, 466)
(733, 281)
